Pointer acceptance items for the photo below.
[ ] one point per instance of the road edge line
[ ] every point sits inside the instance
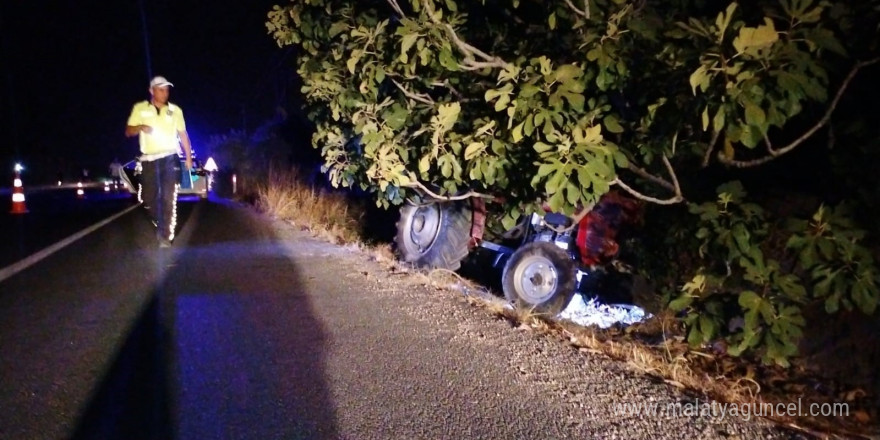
(30, 260)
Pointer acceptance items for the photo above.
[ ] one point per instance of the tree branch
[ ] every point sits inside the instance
(453, 90)
(794, 144)
(421, 97)
(676, 187)
(418, 185)
(670, 201)
(708, 156)
(470, 52)
(769, 146)
(467, 48)
(575, 220)
(583, 13)
(648, 176)
(470, 64)
(397, 8)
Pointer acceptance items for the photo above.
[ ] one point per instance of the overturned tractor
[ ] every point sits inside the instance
(544, 260)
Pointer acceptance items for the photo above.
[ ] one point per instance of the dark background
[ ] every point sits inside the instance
(71, 70)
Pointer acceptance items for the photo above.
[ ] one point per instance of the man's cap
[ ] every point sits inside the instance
(160, 81)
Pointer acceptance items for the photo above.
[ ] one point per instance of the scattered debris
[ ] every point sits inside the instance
(593, 312)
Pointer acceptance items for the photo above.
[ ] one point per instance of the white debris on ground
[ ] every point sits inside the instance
(592, 312)
(580, 312)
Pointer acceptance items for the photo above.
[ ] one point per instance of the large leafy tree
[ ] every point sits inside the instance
(562, 100)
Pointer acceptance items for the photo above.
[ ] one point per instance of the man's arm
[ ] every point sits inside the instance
(133, 130)
(187, 148)
(135, 124)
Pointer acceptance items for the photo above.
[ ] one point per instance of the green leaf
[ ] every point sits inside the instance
(705, 118)
(541, 147)
(546, 169)
(620, 159)
(552, 21)
(695, 337)
(723, 20)
(865, 294)
(352, 64)
(530, 126)
(695, 285)
(407, 42)
(742, 237)
(824, 38)
(754, 115)
(424, 164)
(718, 120)
(485, 128)
(504, 91)
(498, 147)
(553, 183)
(396, 118)
(826, 247)
(832, 303)
(584, 178)
(593, 135)
(517, 132)
(750, 300)
(528, 90)
(699, 76)
(681, 303)
(708, 327)
(566, 74)
(573, 194)
(336, 28)
(790, 285)
(448, 115)
(612, 125)
(473, 149)
(751, 40)
(575, 100)
(556, 202)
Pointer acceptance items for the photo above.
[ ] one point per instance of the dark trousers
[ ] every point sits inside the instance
(160, 178)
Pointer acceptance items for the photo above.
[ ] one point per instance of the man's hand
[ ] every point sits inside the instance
(189, 163)
(134, 130)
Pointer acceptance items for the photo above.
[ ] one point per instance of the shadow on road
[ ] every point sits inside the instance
(132, 401)
(228, 346)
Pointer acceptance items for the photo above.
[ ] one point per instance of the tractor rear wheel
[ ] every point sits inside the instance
(539, 276)
(434, 235)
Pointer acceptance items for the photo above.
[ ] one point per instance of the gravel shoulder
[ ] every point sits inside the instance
(407, 359)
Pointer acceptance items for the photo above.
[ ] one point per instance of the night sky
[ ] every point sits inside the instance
(71, 70)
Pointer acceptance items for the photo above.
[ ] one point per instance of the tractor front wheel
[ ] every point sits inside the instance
(539, 276)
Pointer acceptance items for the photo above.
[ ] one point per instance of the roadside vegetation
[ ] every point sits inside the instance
(327, 214)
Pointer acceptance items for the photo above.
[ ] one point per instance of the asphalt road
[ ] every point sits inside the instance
(53, 214)
(249, 330)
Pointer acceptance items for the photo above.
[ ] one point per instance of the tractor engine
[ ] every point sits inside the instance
(547, 229)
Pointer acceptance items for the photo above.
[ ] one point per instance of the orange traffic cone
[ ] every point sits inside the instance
(18, 206)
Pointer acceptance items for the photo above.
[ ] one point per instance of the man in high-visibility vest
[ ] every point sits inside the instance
(161, 130)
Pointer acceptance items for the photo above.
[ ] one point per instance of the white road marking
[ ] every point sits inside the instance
(32, 259)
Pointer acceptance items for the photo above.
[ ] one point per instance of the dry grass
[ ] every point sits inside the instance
(657, 348)
(328, 215)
